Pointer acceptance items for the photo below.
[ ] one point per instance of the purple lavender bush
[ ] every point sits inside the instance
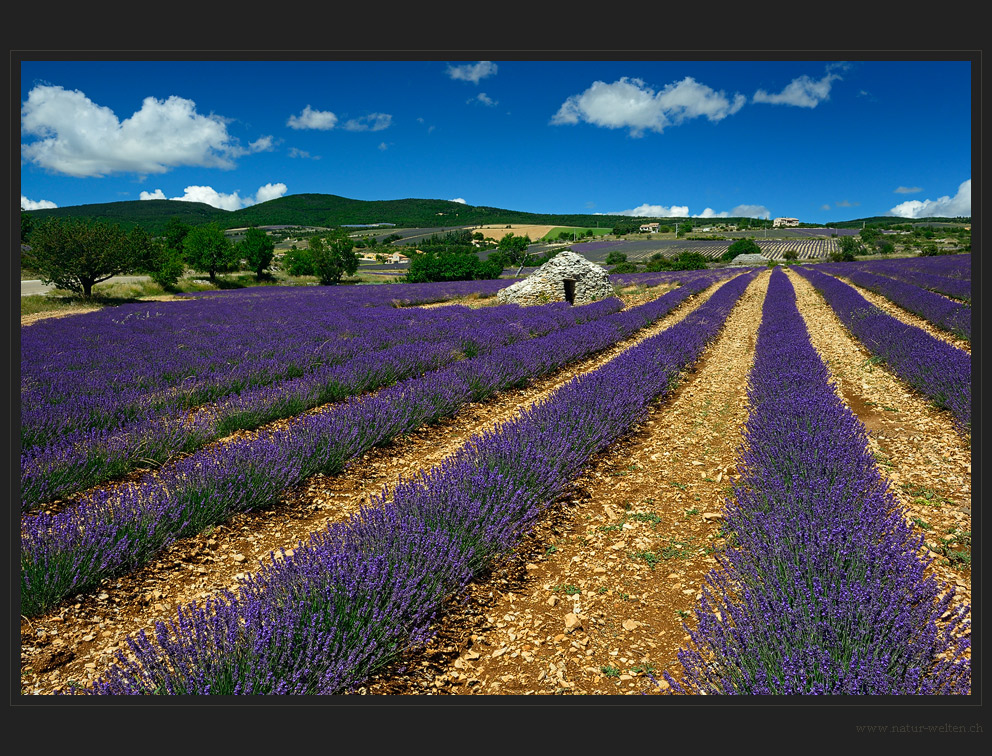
(933, 367)
(824, 590)
(942, 312)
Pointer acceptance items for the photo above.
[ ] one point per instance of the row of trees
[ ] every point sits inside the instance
(75, 254)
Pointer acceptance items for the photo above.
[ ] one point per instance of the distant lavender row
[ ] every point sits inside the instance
(110, 533)
(942, 312)
(375, 295)
(359, 594)
(933, 367)
(925, 272)
(138, 361)
(86, 457)
(823, 590)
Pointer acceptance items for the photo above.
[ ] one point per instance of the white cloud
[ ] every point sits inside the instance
(458, 199)
(629, 103)
(907, 189)
(946, 207)
(473, 72)
(484, 99)
(383, 146)
(803, 92)
(657, 211)
(269, 192)
(79, 138)
(371, 122)
(208, 195)
(751, 211)
(262, 144)
(710, 213)
(296, 152)
(27, 204)
(313, 119)
(825, 207)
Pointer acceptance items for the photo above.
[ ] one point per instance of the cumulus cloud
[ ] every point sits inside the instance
(210, 196)
(309, 118)
(473, 72)
(907, 189)
(946, 206)
(77, 137)
(27, 204)
(802, 92)
(657, 211)
(682, 211)
(459, 200)
(370, 122)
(751, 211)
(631, 104)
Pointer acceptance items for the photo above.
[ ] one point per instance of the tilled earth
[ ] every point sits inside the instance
(593, 601)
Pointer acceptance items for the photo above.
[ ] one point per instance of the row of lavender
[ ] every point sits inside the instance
(947, 314)
(824, 590)
(100, 369)
(113, 531)
(949, 275)
(933, 367)
(353, 598)
(388, 349)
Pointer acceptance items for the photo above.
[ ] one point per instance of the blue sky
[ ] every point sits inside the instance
(819, 141)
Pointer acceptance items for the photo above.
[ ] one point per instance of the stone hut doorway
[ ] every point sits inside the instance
(569, 290)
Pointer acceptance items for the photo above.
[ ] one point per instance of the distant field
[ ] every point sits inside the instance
(498, 231)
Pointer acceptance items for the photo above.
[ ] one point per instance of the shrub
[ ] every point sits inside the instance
(625, 267)
(615, 258)
(452, 266)
(746, 246)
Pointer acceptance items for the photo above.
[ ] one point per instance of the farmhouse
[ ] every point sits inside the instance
(785, 222)
(650, 227)
(567, 277)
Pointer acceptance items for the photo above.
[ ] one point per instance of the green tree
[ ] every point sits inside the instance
(27, 225)
(439, 265)
(514, 248)
(75, 255)
(745, 246)
(257, 250)
(616, 257)
(297, 262)
(209, 251)
(333, 258)
(688, 260)
(175, 232)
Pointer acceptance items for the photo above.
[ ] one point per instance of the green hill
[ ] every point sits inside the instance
(332, 210)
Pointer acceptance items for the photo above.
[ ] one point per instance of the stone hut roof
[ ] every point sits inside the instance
(548, 283)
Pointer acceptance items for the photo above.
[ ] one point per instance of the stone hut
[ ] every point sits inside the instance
(567, 277)
(749, 259)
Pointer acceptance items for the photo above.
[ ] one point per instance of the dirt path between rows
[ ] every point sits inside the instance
(72, 644)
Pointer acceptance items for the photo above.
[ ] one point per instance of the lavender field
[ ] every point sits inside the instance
(715, 482)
